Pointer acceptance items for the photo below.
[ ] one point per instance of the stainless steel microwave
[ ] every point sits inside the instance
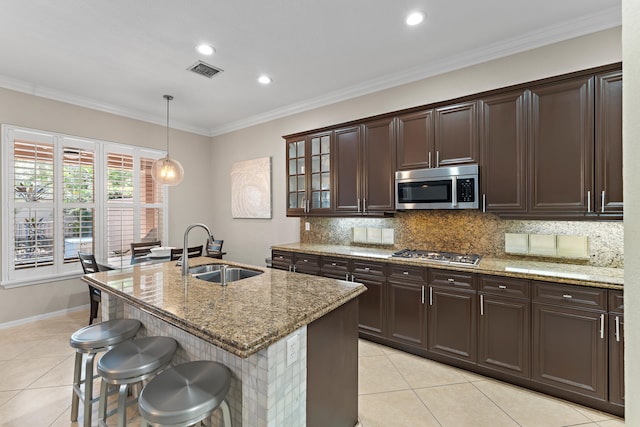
(453, 187)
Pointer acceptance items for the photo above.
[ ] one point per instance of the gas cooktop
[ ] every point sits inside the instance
(443, 257)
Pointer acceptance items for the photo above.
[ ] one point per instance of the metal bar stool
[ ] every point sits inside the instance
(92, 340)
(186, 394)
(129, 363)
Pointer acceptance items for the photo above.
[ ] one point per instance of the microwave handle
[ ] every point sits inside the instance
(454, 191)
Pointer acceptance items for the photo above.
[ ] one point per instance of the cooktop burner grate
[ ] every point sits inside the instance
(443, 257)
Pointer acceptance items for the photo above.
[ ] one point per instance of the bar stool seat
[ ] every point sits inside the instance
(186, 394)
(90, 341)
(128, 363)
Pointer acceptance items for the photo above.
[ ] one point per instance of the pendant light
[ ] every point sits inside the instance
(166, 171)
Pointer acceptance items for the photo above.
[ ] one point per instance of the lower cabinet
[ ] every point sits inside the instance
(372, 312)
(504, 325)
(569, 338)
(616, 348)
(406, 320)
(452, 315)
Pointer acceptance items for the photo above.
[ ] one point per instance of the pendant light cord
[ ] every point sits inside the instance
(168, 98)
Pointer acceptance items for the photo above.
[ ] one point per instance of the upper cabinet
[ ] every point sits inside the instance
(561, 147)
(309, 174)
(608, 187)
(365, 166)
(554, 150)
(437, 137)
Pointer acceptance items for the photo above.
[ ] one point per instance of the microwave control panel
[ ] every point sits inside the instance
(466, 190)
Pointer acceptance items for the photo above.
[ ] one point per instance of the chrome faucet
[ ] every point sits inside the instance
(185, 247)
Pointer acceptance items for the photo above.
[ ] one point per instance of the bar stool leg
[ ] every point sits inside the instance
(88, 388)
(122, 405)
(102, 406)
(226, 413)
(77, 373)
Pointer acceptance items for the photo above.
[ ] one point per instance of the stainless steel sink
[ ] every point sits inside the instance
(213, 273)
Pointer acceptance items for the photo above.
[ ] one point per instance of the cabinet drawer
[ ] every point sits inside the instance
(369, 268)
(307, 260)
(569, 295)
(616, 301)
(504, 286)
(451, 279)
(282, 259)
(400, 272)
(335, 264)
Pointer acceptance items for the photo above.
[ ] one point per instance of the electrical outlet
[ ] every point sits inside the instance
(307, 226)
(293, 348)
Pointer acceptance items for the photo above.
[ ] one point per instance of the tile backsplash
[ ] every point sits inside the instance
(471, 231)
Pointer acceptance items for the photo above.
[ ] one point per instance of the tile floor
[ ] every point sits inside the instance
(395, 388)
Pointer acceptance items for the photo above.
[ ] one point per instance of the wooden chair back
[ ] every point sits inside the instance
(88, 262)
(191, 252)
(141, 249)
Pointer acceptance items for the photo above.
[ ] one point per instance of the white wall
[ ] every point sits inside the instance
(249, 240)
(631, 149)
(189, 202)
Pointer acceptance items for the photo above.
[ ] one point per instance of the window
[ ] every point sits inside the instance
(65, 194)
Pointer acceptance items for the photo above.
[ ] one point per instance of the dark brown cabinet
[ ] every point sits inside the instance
(371, 304)
(456, 134)
(406, 320)
(364, 171)
(415, 148)
(452, 315)
(309, 174)
(295, 262)
(503, 152)
(608, 144)
(616, 348)
(561, 147)
(569, 338)
(282, 260)
(504, 325)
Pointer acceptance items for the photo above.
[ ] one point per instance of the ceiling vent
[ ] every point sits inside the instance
(204, 69)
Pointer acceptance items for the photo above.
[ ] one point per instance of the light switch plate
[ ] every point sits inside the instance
(573, 247)
(359, 235)
(516, 243)
(542, 244)
(374, 235)
(387, 236)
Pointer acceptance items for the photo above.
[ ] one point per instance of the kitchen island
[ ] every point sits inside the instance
(289, 339)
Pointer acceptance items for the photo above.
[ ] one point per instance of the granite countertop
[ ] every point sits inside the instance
(243, 317)
(602, 277)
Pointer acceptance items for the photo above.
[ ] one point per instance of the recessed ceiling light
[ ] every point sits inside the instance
(265, 80)
(205, 49)
(414, 18)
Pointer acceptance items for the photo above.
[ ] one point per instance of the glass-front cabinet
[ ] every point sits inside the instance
(309, 174)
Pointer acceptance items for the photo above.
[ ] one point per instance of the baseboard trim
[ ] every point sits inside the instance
(42, 316)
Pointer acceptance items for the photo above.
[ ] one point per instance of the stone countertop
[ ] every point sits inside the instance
(602, 277)
(243, 317)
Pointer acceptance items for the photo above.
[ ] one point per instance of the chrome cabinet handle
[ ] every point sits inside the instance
(589, 201)
(364, 205)
(451, 280)
(346, 277)
(430, 295)
(358, 204)
(602, 203)
(484, 203)
(423, 294)
(429, 159)
(481, 305)
(438, 159)
(567, 296)
(367, 269)
(333, 264)
(502, 287)
(405, 272)
(618, 328)
(602, 326)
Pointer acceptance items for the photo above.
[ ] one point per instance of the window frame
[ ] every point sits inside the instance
(59, 269)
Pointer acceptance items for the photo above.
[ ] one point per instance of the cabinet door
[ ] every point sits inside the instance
(296, 177)
(371, 317)
(504, 336)
(379, 166)
(616, 359)
(503, 150)
(347, 171)
(561, 148)
(456, 134)
(407, 313)
(609, 143)
(570, 349)
(415, 141)
(281, 260)
(307, 263)
(451, 323)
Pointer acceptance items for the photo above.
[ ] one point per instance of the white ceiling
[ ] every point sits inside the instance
(121, 56)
